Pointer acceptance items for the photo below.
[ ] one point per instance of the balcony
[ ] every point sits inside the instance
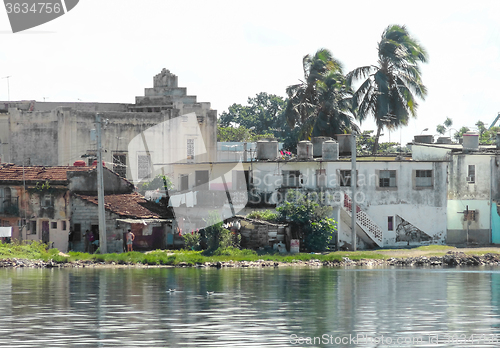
(9, 206)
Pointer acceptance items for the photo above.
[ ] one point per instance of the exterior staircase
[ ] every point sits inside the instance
(363, 221)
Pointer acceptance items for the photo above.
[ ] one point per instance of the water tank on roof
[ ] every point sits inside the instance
(318, 145)
(304, 150)
(345, 146)
(267, 149)
(471, 141)
(423, 139)
(330, 151)
(443, 140)
(79, 163)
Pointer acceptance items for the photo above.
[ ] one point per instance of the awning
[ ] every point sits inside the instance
(5, 232)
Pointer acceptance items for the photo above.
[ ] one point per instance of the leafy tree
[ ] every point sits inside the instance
(365, 143)
(389, 90)
(440, 129)
(461, 132)
(481, 127)
(310, 222)
(489, 136)
(239, 134)
(321, 103)
(264, 114)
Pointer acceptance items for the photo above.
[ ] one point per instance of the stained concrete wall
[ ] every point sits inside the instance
(86, 214)
(60, 133)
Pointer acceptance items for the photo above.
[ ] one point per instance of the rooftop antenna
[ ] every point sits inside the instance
(45, 98)
(8, 87)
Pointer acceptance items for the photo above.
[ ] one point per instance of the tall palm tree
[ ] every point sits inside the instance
(390, 88)
(320, 104)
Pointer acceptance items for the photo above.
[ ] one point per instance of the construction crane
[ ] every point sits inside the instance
(494, 122)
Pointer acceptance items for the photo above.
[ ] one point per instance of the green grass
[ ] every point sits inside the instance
(38, 251)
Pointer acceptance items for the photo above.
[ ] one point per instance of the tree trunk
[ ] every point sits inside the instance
(375, 146)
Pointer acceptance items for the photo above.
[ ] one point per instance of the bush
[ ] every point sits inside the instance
(192, 241)
(265, 215)
(219, 237)
(310, 221)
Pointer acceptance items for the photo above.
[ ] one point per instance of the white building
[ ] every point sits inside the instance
(473, 189)
(401, 202)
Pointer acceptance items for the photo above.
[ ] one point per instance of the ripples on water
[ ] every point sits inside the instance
(248, 307)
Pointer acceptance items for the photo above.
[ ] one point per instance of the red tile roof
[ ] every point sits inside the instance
(15, 173)
(124, 205)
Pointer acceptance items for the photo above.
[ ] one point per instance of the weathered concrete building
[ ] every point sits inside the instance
(140, 140)
(46, 203)
(473, 188)
(400, 201)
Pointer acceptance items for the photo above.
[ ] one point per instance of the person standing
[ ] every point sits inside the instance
(130, 240)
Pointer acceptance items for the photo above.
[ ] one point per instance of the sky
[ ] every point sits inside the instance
(227, 51)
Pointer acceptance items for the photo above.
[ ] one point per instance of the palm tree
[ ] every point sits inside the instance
(321, 103)
(390, 88)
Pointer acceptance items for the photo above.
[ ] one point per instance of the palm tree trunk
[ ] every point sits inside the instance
(375, 146)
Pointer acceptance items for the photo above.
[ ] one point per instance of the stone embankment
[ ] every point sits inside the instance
(451, 258)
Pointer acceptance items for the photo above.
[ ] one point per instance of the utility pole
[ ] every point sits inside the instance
(353, 189)
(8, 87)
(100, 189)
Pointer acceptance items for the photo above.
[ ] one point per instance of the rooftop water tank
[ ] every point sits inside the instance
(345, 145)
(470, 141)
(267, 150)
(423, 139)
(305, 150)
(330, 151)
(318, 145)
(79, 163)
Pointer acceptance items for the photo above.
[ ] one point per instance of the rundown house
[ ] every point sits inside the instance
(122, 211)
(473, 187)
(35, 202)
(45, 203)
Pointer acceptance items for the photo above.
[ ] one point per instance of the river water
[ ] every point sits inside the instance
(283, 307)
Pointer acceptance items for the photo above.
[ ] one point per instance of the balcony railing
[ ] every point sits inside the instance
(9, 206)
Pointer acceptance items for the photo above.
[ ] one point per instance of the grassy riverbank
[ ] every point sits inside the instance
(37, 251)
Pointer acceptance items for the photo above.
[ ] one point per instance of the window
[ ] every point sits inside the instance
(387, 178)
(190, 149)
(471, 174)
(390, 223)
(47, 201)
(321, 177)
(63, 225)
(120, 164)
(291, 178)
(143, 166)
(53, 225)
(345, 177)
(32, 229)
(423, 178)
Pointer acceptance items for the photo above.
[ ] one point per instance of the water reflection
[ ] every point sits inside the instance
(245, 307)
